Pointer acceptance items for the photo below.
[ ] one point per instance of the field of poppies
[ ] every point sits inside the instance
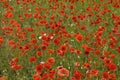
(59, 39)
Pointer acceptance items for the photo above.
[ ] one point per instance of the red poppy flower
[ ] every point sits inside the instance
(72, 78)
(1, 40)
(112, 56)
(33, 41)
(94, 72)
(52, 74)
(11, 42)
(57, 41)
(39, 68)
(97, 52)
(77, 64)
(105, 75)
(32, 59)
(112, 67)
(78, 37)
(60, 52)
(16, 67)
(43, 47)
(59, 79)
(47, 65)
(50, 51)
(36, 77)
(63, 72)
(15, 59)
(86, 65)
(77, 75)
(27, 15)
(45, 76)
(112, 76)
(36, 47)
(63, 48)
(9, 14)
(51, 60)
(38, 53)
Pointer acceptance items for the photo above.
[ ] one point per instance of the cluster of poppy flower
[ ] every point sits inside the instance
(60, 39)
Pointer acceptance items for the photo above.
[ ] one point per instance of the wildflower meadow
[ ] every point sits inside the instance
(59, 39)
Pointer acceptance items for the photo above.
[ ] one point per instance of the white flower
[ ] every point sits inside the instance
(87, 71)
(72, 40)
(81, 67)
(45, 34)
(42, 62)
(78, 56)
(40, 37)
(51, 37)
(72, 25)
(69, 67)
(29, 9)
